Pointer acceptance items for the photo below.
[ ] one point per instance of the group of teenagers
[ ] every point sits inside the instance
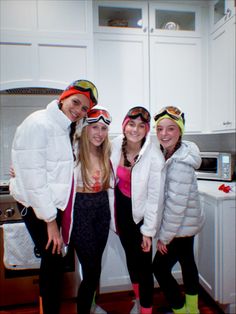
(74, 185)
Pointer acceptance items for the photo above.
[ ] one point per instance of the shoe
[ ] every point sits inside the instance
(96, 309)
(136, 307)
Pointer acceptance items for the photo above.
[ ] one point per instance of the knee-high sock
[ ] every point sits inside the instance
(145, 310)
(136, 290)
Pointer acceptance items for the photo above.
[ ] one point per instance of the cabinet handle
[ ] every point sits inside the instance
(145, 29)
(228, 13)
(151, 30)
(227, 123)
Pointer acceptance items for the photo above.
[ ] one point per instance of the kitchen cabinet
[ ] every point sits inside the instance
(221, 110)
(149, 53)
(216, 245)
(45, 43)
(176, 71)
(115, 276)
(220, 12)
(121, 17)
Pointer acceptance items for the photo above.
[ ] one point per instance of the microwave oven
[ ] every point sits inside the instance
(216, 166)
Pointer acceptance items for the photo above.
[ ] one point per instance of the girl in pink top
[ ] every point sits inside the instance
(138, 166)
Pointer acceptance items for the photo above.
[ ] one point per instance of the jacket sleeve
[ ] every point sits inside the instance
(29, 159)
(155, 194)
(178, 187)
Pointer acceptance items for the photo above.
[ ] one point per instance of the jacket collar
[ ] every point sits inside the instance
(57, 115)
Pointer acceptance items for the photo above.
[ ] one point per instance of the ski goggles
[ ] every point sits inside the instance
(85, 86)
(174, 112)
(141, 112)
(94, 115)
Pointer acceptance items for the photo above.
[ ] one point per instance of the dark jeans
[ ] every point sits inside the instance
(179, 250)
(50, 276)
(139, 263)
(89, 237)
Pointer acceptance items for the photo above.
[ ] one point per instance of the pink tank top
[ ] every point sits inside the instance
(124, 183)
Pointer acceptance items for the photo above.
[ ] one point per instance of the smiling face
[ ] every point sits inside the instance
(135, 130)
(97, 133)
(75, 107)
(168, 134)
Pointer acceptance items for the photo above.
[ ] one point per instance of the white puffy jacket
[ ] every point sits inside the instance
(183, 215)
(42, 159)
(147, 185)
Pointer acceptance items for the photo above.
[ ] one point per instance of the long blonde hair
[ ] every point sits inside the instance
(84, 160)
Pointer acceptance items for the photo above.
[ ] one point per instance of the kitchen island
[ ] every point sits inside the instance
(216, 244)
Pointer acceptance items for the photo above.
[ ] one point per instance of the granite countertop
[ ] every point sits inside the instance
(207, 187)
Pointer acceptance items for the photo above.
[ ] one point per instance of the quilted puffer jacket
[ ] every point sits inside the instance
(42, 159)
(182, 215)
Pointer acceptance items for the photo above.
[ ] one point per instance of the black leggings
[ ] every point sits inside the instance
(89, 237)
(139, 263)
(179, 250)
(51, 268)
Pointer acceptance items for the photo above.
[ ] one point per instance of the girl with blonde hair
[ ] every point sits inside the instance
(91, 214)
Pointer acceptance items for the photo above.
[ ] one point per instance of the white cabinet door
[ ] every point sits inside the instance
(45, 43)
(121, 17)
(121, 68)
(175, 19)
(221, 113)
(176, 77)
(227, 252)
(216, 251)
(207, 246)
(171, 60)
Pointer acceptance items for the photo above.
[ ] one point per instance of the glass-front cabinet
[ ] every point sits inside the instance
(138, 17)
(121, 17)
(165, 19)
(221, 11)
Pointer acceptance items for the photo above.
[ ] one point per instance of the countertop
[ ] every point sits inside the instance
(207, 187)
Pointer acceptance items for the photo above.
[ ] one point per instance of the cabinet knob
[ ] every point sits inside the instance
(9, 212)
(151, 30)
(145, 29)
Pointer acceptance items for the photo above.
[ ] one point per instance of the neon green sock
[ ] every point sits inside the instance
(191, 302)
(94, 297)
(183, 310)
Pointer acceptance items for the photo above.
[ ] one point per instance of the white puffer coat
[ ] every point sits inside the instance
(183, 215)
(42, 159)
(147, 185)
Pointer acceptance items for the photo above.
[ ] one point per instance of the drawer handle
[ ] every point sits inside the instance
(227, 123)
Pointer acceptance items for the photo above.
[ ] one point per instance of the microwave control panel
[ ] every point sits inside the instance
(226, 166)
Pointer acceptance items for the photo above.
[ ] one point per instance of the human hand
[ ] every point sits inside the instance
(161, 247)
(54, 237)
(146, 244)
